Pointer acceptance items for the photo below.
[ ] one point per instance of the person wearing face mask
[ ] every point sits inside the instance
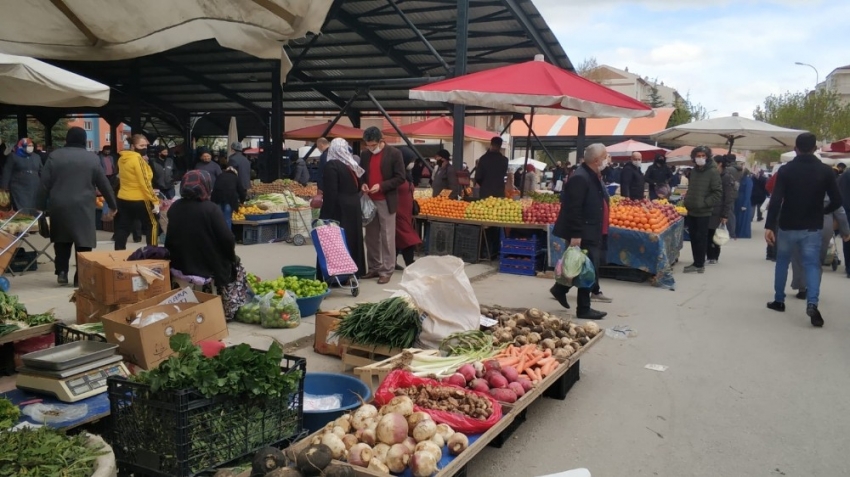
(205, 163)
(583, 222)
(165, 165)
(658, 177)
(137, 199)
(631, 178)
(445, 177)
(21, 175)
(705, 192)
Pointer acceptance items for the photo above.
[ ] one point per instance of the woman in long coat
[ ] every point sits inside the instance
(70, 180)
(406, 238)
(743, 207)
(21, 175)
(341, 200)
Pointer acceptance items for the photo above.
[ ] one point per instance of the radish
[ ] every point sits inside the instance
(517, 388)
(392, 429)
(479, 385)
(349, 440)
(366, 412)
(378, 466)
(397, 458)
(498, 381)
(410, 443)
(468, 372)
(457, 379)
(479, 369)
(438, 439)
(369, 437)
(491, 365)
(445, 431)
(360, 455)
(504, 395)
(424, 430)
(335, 444)
(510, 373)
(423, 464)
(491, 373)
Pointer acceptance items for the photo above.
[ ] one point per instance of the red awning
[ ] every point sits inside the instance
(551, 125)
(440, 128)
(839, 146)
(311, 133)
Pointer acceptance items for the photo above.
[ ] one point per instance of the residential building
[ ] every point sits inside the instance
(839, 81)
(97, 132)
(630, 84)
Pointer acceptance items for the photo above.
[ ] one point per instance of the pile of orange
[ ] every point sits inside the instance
(442, 207)
(639, 218)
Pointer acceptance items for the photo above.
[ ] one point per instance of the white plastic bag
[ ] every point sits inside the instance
(440, 288)
(368, 208)
(721, 235)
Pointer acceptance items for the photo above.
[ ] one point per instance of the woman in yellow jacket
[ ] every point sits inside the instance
(136, 197)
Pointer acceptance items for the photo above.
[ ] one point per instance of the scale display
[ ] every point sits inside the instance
(73, 388)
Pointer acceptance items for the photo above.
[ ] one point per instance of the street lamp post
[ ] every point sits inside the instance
(817, 75)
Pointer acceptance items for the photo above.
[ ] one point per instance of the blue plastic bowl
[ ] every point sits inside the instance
(310, 305)
(258, 217)
(326, 384)
(280, 215)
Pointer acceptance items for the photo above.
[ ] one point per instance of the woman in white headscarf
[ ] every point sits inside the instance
(341, 198)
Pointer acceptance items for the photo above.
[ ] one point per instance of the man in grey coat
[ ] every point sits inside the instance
(70, 180)
(241, 163)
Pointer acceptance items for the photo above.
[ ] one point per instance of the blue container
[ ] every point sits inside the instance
(310, 305)
(327, 384)
(280, 215)
(258, 217)
(612, 189)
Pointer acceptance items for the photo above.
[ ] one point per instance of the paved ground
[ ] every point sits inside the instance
(748, 391)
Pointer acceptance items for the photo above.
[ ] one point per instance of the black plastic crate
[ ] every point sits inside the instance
(23, 258)
(624, 274)
(441, 236)
(559, 389)
(182, 433)
(467, 243)
(505, 435)
(65, 334)
(7, 359)
(254, 234)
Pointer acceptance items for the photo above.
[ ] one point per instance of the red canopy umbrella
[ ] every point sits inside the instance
(840, 146)
(440, 128)
(624, 150)
(311, 133)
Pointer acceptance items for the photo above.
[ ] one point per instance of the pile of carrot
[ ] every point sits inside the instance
(528, 360)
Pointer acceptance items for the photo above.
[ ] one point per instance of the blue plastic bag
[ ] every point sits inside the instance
(587, 277)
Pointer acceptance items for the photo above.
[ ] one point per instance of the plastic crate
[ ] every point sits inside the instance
(7, 359)
(254, 234)
(66, 334)
(182, 433)
(527, 246)
(559, 389)
(503, 436)
(441, 236)
(23, 258)
(624, 274)
(517, 265)
(467, 243)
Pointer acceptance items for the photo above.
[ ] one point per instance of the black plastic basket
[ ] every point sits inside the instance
(467, 243)
(441, 238)
(182, 433)
(66, 334)
(505, 435)
(559, 389)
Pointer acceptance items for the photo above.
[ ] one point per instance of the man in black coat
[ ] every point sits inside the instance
(583, 222)
(631, 178)
(844, 188)
(491, 171)
(241, 164)
(657, 175)
(759, 194)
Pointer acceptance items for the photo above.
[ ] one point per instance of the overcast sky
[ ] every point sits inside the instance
(729, 55)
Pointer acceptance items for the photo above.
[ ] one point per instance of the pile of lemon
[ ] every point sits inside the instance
(249, 210)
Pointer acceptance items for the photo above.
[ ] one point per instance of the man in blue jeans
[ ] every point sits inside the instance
(795, 215)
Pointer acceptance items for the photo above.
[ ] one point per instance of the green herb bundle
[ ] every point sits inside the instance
(11, 309)
(9, 414)
(46, 452)
(394, 322)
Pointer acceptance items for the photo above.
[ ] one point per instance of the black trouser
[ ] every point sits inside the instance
(758, 211)
(407, 255)
(712, 252)
(583, 300)
(698, 232)
(62, 261)
(130, 211)
(846, 256)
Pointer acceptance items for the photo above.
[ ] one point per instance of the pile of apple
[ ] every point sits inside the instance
(502, 382)
(540, 213)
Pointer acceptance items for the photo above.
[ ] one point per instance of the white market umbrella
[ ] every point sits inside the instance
(520, 162)
(26, 81)
(734, 130)
(232, 132)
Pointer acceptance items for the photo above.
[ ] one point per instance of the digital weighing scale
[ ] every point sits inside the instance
(47, 371)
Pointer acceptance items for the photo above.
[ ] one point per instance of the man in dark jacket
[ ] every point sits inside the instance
(384, 172)
(165, 167)
(238, 161)
(759, 193)
(657, 175)
(631, 178)
(796, 212)
(844, 188)
(491, 171)
(705, 192)
(583, 222)
(228, 193)
(445, 177)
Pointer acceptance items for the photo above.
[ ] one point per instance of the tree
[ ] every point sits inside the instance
(686, 112)
(821, 112)
(589, 69)
(35, 131)
(655, 99)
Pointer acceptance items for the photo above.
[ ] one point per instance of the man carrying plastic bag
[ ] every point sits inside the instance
(582, 223)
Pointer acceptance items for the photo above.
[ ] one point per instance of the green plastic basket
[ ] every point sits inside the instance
(300, 271)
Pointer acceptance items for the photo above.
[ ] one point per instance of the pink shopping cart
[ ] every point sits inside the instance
(334, 258)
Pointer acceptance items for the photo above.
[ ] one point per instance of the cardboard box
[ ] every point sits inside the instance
(148, 346)
(326, 323)
(6, 240)
(110, 279)
(89, 310)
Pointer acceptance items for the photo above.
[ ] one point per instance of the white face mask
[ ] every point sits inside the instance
(377, 149)
(30, 149)
(700, 161)
(636, 163)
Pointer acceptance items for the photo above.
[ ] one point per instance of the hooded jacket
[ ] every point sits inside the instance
(136, 178)
(705, 190)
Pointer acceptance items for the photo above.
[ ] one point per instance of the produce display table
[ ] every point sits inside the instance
(255, 223)
(97, 407)
(651, 253)
(263, 231)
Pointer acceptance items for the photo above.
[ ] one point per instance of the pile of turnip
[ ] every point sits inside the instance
(546, 331)
(390, 440)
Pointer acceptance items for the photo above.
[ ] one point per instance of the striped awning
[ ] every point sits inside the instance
(551, 125)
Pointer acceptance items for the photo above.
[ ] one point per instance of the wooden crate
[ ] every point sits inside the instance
(354, 355)
(373, 374)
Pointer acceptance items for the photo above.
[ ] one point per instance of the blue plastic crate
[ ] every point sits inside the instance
(254, 234)
(516, 265)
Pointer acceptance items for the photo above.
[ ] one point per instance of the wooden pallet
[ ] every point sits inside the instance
(373, 374)
(354, 355)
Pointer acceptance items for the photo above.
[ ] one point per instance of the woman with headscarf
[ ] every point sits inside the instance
(744, 207)
(21, 175)
(406, 238)
(205, 163)
(341, 199)
(70, 181)
(201, 244)
(137, 200)
(530, 182)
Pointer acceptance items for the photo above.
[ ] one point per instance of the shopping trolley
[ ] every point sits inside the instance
(334, 257)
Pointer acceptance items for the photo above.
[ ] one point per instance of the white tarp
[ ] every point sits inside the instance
(520, 162)
(30, 82)
(747, 133)
(104, 31)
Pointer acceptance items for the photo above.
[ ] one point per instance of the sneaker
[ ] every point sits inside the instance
(62, 278)
(560, 295)
(801, 295)
(776, 306)
(600, 298)
(814, 314)
(694, 269)
(712, 262)
(591, 314)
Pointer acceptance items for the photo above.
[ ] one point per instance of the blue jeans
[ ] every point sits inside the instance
(227, 210)
(808, 243)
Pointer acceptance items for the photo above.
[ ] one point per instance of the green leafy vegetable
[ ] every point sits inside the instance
(44, 452)
(11, 309)
(394, 322)
(9, 414)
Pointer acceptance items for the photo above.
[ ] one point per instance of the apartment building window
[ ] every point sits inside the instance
(87, 125)
(107, 137)
(90, 145)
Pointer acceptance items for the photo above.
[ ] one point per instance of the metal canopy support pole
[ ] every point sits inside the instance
(542, 146)
(421, 36)
(275, 155)
(394, 125)
(529, 150)
(22, 126)
(580, 138)
(335, 120)
(459, 111)
(135, 111)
